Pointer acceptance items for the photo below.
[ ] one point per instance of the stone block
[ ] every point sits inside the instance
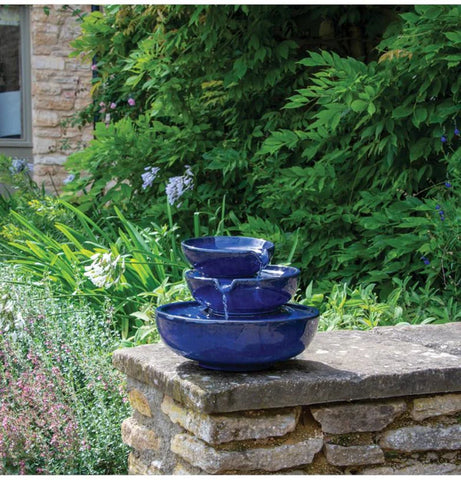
(353, 455)
(217, 429)
(45, 118)
(138, 436)
(47, 62)
(435, 406)
(44, 38)
(186, 469)
(422, 438)
(358, 417)
(136, 466)
(55, 103)
(269, 459)
(46, 88)
(49, 163)
(51, 132)
(139, 402)
(416, 468)
(44, 145)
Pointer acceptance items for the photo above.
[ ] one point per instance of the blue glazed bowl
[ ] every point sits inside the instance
(241, 296)
(235, 257)
(237, 344)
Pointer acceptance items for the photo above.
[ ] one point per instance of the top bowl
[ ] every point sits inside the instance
(221, 257)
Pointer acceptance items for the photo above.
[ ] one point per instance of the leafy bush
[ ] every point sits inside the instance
(351, 169)
(359, 307)
(366, 177)
(208, 84)
(121, 269)
(20, 193)
(61, 401)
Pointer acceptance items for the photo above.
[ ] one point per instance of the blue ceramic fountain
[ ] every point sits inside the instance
(241, 319)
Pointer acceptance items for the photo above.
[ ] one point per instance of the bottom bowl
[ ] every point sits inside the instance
(237, 344)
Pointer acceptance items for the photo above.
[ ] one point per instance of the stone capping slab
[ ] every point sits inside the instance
(338, 366)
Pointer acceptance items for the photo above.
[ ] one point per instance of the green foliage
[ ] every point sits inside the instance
(365, 178)
(102, 263)
(209, 83)
(61, 402)
(359, 307)
(18, 192)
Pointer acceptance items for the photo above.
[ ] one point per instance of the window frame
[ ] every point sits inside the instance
(22, 147)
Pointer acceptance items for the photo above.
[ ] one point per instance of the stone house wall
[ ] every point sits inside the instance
(60, 86)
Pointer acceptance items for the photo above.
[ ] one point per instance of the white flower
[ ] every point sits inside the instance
(106, 269)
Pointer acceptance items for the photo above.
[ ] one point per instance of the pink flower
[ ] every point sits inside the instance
(113, 105)
(94, 67)
(102, 104)
(131, 102)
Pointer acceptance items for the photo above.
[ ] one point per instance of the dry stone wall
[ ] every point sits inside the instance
(185, 419)
(60, 87)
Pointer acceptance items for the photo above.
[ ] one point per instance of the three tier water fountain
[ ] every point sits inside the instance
(241, 319)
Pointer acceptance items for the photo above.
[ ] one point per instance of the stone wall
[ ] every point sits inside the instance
(60, 87)
(321, 413)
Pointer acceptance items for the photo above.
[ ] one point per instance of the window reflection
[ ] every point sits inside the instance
(10, 73)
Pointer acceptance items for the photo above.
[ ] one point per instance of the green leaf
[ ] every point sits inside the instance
(453, 36)
(359, 105)
(402, 111)
(419, 116)
(240, 68)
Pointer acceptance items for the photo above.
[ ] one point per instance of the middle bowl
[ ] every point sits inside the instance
(274, 287)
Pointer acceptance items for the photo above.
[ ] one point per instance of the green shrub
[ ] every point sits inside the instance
(121, 269)
(20, 193)
(61, 401)
(208, 83)
(366, 177)
(359, 307)
(351, 168)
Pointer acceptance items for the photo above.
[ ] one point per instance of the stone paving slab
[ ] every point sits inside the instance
(337, 366)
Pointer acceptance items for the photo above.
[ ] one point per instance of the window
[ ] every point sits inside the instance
(15, 99)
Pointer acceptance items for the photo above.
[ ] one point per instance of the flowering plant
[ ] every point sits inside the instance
(61, 402)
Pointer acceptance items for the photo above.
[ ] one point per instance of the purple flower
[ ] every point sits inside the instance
(425, 260)
(131, 102)
(456, 131)
(443, 138)
(113, 105)
(448, 184)
(68, 179)
(438, 207)
(149, 176)
(19, 165)
(178, 185)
